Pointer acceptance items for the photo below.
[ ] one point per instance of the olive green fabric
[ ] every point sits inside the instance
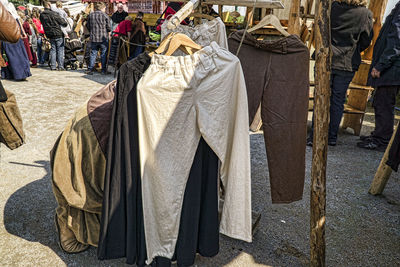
(11, 128)
(78, 168)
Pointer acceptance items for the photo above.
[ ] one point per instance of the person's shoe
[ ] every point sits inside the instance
(371, 145)
(105, 72)
(365, 137)
(331, 143)
(61, 69)
(89, 72)
(67, 240)
(309, 143)
(52, 69)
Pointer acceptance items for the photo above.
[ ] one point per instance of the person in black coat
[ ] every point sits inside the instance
(119, 15)
(52, 23)
(351, 33)
(385, 78)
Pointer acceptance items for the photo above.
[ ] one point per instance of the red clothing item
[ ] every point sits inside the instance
(39, 26)
(124, 27)
(27, 28)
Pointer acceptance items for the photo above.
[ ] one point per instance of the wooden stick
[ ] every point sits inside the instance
(294, 18)
(383, 173)
(321, 125)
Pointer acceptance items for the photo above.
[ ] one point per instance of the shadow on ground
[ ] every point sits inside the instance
(29, 214)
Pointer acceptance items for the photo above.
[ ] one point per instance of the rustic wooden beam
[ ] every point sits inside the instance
(321, 126)
(276, 4)
(294, 18)
(383, 173)
(378, 8)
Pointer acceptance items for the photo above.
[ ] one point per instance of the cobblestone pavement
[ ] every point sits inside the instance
(361, 230)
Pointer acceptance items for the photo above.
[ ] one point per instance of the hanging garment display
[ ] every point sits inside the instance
(78, 166)
(11, 126)
(122, 229)
(202, 34)
(181, 99)
(277, 76)
(394, 153)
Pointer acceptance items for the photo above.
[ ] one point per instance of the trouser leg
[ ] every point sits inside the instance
(93, 55)
(103, 55)
(339, 86)
(53, 52)
(383, 103)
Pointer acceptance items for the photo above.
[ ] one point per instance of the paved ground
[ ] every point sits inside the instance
(362, 230)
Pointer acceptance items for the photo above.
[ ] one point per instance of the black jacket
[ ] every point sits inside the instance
(386, 57)
(351, 33)
(118, 17)
(52, 23)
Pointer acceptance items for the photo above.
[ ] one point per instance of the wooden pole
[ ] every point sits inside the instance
(321, 125)
(383, 173)
(378, 8)
(294, 18)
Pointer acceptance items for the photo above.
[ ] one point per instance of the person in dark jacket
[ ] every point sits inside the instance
(385, 78)
(119, 15)
(351, 33)
(138, 36)
(52, 23)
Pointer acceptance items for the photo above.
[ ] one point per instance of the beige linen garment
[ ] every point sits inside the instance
(202, 34)
(181, 99)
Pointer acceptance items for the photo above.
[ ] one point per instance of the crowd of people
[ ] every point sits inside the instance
(46, 32)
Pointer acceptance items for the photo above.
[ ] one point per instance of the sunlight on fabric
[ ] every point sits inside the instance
(245, 259)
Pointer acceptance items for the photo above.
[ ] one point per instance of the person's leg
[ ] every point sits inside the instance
(103, 56)
(40, 51)
(60, 53)
(93, 55)
(53, 54)
(384, 102)
(339, 86)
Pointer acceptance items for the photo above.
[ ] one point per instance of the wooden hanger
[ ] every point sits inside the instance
(164, 45)
(270, 20)
(181, 40)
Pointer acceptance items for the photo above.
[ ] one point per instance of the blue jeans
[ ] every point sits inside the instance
(138, 50)
(95, 46)
(57, 53)
(40, 52)
(340, 81)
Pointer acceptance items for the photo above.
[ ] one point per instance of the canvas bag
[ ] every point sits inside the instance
(11, 131)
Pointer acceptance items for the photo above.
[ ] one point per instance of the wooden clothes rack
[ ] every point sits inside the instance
(247, 3)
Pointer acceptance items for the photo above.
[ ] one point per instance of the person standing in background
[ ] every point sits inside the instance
(39, 35)
(351, 33)
(59, 9)
(385, 78)
(98, 25)
(138, 36)
(52, 23)
(119, 15)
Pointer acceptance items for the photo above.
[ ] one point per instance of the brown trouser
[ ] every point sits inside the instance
(277, 76)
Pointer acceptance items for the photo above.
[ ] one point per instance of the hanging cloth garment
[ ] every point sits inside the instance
(202, 34)
(18, 63)
(122, 229)
(394, 153)
(78, 166)
(181, 99)
(277, 76)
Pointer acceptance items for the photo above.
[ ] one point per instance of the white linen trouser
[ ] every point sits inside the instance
(181, 99)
